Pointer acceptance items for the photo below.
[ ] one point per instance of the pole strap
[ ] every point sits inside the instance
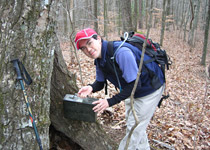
(21, 71)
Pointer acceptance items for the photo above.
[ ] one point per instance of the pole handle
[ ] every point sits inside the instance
(17, 68)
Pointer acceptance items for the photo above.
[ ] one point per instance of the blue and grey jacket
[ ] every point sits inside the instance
(127, 60)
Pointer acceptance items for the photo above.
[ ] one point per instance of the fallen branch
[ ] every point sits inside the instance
(119, 122)
(164, 145)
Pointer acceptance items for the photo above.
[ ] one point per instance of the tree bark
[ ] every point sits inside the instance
(196, 8)
(119, 18)
(135, 15)
(206, 35)
(140, 19)
(96, 15)
(27, 32)
(126, 16)
(168, 8)
(105, 18)
(163, 23)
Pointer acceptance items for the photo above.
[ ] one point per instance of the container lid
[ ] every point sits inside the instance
(74, 98)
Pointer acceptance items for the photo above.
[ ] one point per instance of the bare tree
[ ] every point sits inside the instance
(105, 18)
(119, 16)
(163, 23)
(96, 15)
(196, 8)
(186, 21)
(126, 15)
(140, 19)
(203, 60)
(168, 9)
(136, 14)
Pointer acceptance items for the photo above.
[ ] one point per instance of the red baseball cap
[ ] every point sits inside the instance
(84, 34)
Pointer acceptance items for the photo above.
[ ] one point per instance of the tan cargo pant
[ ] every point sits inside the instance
(145, 108)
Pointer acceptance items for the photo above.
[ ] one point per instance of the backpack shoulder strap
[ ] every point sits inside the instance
(111, 53)
(110, 48)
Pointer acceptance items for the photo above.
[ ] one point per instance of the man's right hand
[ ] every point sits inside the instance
(85, 91)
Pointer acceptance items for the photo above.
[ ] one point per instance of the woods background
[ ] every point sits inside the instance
(187, 16)
(38, 33)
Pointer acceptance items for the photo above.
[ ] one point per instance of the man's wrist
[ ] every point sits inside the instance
(90, 87)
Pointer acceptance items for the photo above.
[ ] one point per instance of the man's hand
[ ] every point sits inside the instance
(101, 105)
(85, 91)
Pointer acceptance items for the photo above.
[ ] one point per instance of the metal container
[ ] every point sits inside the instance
(76, 108)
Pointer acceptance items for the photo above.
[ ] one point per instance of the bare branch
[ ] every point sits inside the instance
(137, 80)
(192, 11)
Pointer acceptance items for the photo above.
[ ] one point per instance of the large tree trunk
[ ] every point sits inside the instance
(89, 136)
(28, 33)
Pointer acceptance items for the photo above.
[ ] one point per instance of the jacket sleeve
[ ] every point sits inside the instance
(124, 94)
(97, 86)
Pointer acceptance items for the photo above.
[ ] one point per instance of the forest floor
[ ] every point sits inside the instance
(183, 120)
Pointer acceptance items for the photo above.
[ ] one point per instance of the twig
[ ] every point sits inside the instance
(119, 122)
(163, 144)
(136, 82)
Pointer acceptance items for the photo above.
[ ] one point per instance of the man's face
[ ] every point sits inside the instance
(91, 47)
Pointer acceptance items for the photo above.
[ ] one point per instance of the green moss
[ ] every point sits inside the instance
(40, 54)
(45, 121)
(32, 15)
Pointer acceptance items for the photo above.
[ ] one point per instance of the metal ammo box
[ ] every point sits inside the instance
(77, 108)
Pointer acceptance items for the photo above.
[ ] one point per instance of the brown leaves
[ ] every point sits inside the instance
(185, 112)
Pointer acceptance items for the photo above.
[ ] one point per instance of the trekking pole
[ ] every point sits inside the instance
(20, 78)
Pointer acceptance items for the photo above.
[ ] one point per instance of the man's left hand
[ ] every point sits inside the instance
(101, 105)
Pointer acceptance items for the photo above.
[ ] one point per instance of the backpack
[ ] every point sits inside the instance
(152, 49)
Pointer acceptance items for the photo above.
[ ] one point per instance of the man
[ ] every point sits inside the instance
(146, 96)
